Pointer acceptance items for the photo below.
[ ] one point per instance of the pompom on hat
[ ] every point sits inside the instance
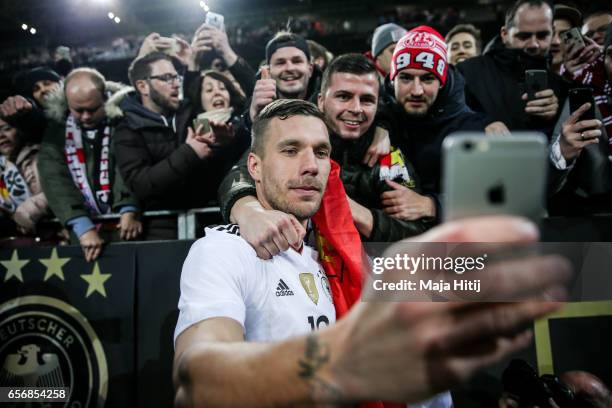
(421, 48)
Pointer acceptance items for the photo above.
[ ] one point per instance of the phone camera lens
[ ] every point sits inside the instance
(467, 146)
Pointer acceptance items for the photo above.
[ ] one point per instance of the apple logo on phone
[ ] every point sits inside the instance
(497, 194)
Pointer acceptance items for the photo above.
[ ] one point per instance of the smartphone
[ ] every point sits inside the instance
(485, 175)
(215, 20)
(201, 121)
(580, 96)
(536, 80)
(573, 38)
(174, 47)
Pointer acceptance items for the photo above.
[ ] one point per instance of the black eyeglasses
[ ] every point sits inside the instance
(91, 111)
(167, 78)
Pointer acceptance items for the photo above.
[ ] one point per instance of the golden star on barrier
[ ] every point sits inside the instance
(13, 267)
(96, 281)
(54, 265)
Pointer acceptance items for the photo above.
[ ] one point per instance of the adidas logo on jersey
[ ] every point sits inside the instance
(282, 289)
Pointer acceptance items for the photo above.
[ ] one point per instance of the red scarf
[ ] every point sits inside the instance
(340, 251)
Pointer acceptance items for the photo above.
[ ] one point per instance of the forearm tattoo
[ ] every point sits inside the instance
(316, 355)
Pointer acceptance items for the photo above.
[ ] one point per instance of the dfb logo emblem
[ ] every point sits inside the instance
(45, 342)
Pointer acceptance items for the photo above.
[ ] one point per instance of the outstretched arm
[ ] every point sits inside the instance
(398, 351)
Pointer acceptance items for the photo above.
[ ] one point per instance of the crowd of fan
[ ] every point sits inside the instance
(74, 145)
(243, 34)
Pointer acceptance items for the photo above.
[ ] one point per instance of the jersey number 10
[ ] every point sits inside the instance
(320, 320)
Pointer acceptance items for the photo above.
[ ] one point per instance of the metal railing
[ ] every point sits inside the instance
(186, 221)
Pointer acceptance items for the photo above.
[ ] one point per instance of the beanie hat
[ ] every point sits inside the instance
(422, 48)
(386, 35)
(563, 12)
(286, 40)
(38, 74)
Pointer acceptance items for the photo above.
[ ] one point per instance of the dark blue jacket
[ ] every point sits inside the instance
(420, 138)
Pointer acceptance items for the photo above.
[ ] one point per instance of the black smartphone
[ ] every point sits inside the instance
(580, 96)
(536, 80)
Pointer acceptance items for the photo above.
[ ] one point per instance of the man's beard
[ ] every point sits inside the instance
(162, 101)
(292, 93)
(414, 113)
(274, 197)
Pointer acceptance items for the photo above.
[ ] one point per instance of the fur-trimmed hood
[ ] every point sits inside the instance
(56, 107)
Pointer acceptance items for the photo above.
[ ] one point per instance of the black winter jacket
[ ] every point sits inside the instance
(157, 165)
(420, 138)
(495, 82)
(365, 185)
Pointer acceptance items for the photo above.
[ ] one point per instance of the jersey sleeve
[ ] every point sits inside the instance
(213, 281)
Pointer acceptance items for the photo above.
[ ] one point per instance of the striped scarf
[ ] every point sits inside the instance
(97, 200)
(13, 187)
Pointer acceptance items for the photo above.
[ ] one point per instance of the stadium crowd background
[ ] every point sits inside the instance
(341, 26)
(76, 33)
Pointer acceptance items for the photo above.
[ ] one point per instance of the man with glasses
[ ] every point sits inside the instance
(77, 166)
(496, 80)
(165, 162)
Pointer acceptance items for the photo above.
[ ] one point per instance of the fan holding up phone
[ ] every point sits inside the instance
(211, 37)
(541, 100)
(565, 18)
(212, 50)
(581, 128)
(579, 51)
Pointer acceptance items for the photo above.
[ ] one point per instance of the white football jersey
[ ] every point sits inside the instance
(286, 296)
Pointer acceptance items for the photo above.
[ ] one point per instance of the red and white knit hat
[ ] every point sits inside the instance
(422, 48)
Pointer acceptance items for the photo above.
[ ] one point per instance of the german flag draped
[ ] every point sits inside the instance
(341, 252)
(339, 244)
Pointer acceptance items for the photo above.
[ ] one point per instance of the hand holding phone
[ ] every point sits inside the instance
(215, 20)
(572, 40)
(204, 122)
(536, 80)
(580, 96)
(169, 45)
(580, 129)
(541, 101)
(576, 57)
